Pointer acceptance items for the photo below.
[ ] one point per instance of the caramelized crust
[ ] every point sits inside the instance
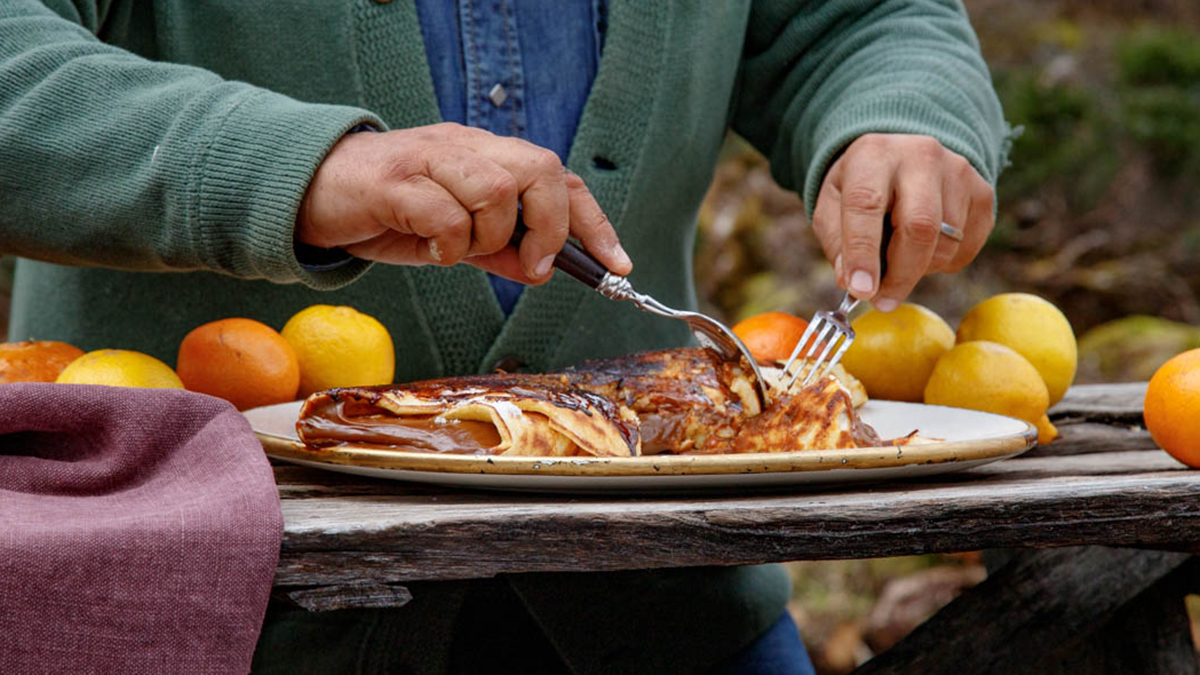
(672, 401)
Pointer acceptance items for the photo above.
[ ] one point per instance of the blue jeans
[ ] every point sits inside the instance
(779, 651)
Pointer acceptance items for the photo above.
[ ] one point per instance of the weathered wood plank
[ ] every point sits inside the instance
(354, 595)
(1102, 401)
(1149, 634)
(1079, 437)
(421, 539)
(1026, 610)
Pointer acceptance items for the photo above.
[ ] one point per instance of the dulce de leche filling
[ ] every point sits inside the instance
(333, 422)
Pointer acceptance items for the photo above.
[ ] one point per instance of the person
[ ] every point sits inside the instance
(261, 158)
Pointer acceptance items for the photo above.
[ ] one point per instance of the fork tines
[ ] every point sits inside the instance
(828, 330)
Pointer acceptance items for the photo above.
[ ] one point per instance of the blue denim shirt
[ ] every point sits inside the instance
(516, 68)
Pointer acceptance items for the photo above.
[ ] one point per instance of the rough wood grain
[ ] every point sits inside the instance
(355, 595)
(1026, 610)
(1102, 402)
(1125, 499)
(1149, 634)
(1079, 437)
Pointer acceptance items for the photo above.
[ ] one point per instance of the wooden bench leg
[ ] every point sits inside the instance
(1033, 607)
(1150, 634)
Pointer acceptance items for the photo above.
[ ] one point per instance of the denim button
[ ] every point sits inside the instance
(498, 95)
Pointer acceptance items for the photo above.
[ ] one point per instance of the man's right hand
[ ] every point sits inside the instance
(447, 193)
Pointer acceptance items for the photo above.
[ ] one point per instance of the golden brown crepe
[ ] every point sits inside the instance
(672, 401)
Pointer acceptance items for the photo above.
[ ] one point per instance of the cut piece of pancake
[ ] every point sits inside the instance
(492, 415)
(677, 401)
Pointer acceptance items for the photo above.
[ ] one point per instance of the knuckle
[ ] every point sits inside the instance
(502, 188)
(547, 162)
(574, 181)
(869, 141)
(986, 197)
(864, 199)
(928, 147)
(922, 228)
(857, 243)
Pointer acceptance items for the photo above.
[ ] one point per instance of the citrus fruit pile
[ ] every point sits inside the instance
(241, 360)
(1013, 354)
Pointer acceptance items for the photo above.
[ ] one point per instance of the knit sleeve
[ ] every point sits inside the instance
(109, 159)
(817, 74)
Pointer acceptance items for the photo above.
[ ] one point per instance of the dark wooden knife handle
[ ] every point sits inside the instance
(884, 241)
(571, 259)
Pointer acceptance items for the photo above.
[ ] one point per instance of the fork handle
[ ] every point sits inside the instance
(571, 259)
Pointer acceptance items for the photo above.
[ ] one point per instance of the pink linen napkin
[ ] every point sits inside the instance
(139, 532)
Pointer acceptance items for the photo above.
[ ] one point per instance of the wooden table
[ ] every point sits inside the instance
(1119, 520)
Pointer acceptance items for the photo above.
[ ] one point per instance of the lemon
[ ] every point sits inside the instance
(339, 347)
(120, 368)
(991, 377)
(894, 352)
(1034, 328)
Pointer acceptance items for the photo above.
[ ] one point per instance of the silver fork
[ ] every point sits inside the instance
(710, 333)
(832, 329)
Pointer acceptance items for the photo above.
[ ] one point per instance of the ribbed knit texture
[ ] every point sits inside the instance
(109, 159)
(112, 160)
(896, 66)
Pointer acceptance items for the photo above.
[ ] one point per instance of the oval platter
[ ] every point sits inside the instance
(968, 438)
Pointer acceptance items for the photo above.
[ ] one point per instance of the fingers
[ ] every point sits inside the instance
(592, 228)
(429, 226)
(545, 201)
(866, 193)
(827, 220)
(916, 229)
(485, 189)
(923, 185)
(978, 222)
(443, 193)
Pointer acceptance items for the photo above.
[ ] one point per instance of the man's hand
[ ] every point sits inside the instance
(446, 193)
(923, 185)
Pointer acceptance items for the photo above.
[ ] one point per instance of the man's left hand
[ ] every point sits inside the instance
(923, 185)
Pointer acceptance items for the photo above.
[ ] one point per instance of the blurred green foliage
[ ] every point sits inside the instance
(1065, 138)
(1159, 82)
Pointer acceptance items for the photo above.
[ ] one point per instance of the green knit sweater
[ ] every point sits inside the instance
(182, 140)
(153, 154)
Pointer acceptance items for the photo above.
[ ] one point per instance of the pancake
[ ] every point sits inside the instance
(676, 401)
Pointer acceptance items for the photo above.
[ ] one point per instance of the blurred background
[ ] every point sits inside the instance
(1098, 214)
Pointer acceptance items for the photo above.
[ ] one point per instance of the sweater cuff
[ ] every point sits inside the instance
(251, 178)
(903, 115)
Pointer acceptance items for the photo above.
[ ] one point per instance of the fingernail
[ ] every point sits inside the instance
(543, 266)
(434, 252)
(885, 304)
(861, 282)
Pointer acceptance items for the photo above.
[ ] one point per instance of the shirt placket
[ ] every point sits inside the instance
(493, 64)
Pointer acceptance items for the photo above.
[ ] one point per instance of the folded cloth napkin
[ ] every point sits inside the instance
(139, 532)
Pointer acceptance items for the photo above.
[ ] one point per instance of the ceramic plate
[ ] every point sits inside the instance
(970, 439)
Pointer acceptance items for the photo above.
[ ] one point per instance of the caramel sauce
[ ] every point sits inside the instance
(332, 422)
(681, 398)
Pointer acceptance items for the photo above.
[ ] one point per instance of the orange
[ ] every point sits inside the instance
(242, 361)
(120, 368)
(39, 361)
(339, 347)
(1172, 399)
(771, 336)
